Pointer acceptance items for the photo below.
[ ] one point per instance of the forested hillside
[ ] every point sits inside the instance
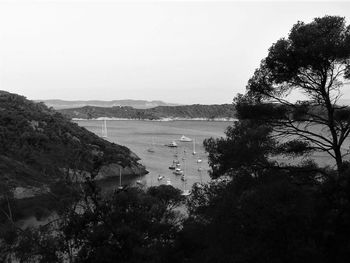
(137, 104)
(39, 145)
(185, 112)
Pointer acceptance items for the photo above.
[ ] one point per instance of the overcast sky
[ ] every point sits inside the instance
(184, 52)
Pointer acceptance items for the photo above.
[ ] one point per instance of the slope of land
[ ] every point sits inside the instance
(196, 111)
(39, 146)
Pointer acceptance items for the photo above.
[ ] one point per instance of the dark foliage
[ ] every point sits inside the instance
(42, 150)
(187, 111)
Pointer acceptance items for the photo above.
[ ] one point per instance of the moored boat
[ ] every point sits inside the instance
(160, 177)
(139, 182)
(185, 139)
(178, 172)
(186, 193)
(194, 147)
(172, 144)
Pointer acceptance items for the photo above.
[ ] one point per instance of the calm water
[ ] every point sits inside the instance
(139, 136)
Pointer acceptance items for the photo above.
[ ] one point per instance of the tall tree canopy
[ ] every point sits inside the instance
(314, 60)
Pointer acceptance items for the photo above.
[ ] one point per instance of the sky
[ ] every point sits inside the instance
(175, 51)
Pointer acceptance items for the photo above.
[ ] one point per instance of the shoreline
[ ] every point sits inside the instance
(159, 120)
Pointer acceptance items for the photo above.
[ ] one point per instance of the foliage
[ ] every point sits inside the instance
(264, 219)
(186, 111)
(315, 60)
(131, 225)
(41, 150)
(247, 146)
(265, 211)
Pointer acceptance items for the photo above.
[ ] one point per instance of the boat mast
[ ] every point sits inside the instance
(106, 135)
(184, 176)
(194, 146)
(120, 177)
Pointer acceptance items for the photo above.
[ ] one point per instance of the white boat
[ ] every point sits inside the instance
(172, 144)
(104, 129)
(199, 160)
(186, 193)
(120, 187)
(178, 172)
(139, 182)
(194, 147)
(160, 177)
(185, 139)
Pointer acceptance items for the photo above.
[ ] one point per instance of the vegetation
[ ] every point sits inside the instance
(137, 104)
(156, 113)
(315, 60)
(40, 148)
(130, 225)
(256, 209)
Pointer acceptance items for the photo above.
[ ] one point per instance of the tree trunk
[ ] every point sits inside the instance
(338, 159)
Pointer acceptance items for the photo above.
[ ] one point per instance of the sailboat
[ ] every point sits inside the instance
(160, 177)
(185, 192)
(104, 129)
(183, 178)
(194, 147)
(178, 171)
(120, 187)
(151, 149)
(173, 166)
(184, 156)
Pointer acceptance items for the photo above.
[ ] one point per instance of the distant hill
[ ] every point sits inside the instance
(222, 111)
(39, 147)
(137, 104)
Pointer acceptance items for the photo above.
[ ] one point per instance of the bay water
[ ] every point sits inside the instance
(139, 136)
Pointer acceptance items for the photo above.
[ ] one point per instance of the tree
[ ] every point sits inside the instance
(131, 225)
(269, 211)
(247, 147)
(314, 60)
